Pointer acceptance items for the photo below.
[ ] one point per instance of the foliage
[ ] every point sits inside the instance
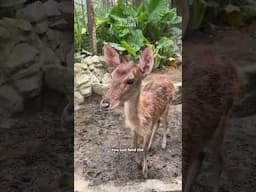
(11, 3)
(129, 29)
(232, 12)
(80, 28)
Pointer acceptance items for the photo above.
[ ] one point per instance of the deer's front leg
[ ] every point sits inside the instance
(145, 153)
(134, 146)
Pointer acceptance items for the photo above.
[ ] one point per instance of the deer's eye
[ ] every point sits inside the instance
(130, 81)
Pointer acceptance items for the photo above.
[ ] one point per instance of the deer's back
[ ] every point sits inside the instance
(157, 91)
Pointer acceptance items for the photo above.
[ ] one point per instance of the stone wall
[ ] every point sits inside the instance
(36, 50)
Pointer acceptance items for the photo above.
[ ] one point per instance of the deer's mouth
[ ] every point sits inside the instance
(115, 105)
(108, 106)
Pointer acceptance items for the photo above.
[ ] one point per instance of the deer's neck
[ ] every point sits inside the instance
(131, 111)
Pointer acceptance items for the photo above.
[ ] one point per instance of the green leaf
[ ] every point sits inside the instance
(136, 37)
(157, 9)
(130, 11)
(83, 30)
(157, 61)
(176, 31)
(164, 42)
(231, 8)
(128, 48)
(115, 46)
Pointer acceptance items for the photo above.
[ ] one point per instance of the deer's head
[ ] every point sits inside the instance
(126, 77)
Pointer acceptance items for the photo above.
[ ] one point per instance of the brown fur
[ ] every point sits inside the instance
(210, 88)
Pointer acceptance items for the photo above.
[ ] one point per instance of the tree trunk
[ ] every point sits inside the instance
(136, 3)
(91, 26)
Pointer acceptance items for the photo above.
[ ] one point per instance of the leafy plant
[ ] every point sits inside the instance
(129, 29)
(232, 12)
(80, 29)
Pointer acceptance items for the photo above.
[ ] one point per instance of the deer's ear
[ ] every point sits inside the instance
(111, 56)
(146, 61)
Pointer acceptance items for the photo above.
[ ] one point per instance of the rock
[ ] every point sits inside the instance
(51, 8)
(49, 57)
(7, 123)
(2, 77)
(26, 72)
(79, 67)
(106, 78)
(94, 79)
(54, 38)
(99, 88)
(82, 79)
(58, 78)
(66, 8)
(21, 55)
(91, 67)
(99, 73)
(79, 98)
(41, 27)
(86, 91)
(4, 33)
(60, 53)
(34, 12)
(59, 24)
(94, 61)
(86, 60)
(30, 86)
(23, 25)
(10, 101)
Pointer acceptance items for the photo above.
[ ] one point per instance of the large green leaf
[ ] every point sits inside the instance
(175, 31)
(129, 48)
(164, 42)
(116, 46)
(137, 39)
(157, 9)
(171, 17)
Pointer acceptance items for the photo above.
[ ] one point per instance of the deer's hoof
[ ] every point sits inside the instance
(163, 145)
(164, 142)
(145, 171)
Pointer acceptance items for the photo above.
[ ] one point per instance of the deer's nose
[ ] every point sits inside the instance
(104, 105)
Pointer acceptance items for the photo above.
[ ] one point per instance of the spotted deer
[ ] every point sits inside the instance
(210, 89)
(145, 97)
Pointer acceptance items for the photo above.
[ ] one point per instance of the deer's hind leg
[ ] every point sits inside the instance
(156, 126)
(146, 142)
(193, 170)
(218, 149)
(165, 124)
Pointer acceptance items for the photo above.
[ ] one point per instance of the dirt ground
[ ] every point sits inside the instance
(35, 153)
(97, 133)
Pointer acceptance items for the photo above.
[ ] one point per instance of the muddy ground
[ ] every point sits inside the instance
(36, 155)
(97, 133)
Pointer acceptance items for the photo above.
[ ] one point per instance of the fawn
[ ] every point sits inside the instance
(210, 88)
(145, 99)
